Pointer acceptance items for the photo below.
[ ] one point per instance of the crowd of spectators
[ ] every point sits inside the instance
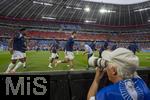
(42, 39)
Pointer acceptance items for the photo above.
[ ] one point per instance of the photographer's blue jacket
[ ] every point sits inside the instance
(131, 89)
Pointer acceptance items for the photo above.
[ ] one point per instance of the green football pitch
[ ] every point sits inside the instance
(38, 61)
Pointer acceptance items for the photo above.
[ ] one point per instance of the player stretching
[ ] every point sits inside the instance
(103, 47)
(22, 31)
(69, 55)
(133, 47)
(54, 54)
(88, 51)
(17, 47)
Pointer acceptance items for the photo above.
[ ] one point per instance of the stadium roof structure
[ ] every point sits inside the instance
(105, 12)
(122, 2)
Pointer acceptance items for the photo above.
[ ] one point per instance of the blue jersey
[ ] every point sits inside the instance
(114, 47)
(133, 48)
(101, 50)
(69, 44)
(54, 46)
(105, 45)
(93, 45)
(19, 43)
(131, 89)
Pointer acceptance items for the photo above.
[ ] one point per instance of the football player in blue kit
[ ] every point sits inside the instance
(17, 48)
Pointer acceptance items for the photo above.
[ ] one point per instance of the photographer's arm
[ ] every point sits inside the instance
(94, 87)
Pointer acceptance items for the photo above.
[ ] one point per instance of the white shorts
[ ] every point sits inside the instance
(54, 55)
(17, 55)
(69, 55)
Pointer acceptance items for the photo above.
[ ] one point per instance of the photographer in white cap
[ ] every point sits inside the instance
(121, 65)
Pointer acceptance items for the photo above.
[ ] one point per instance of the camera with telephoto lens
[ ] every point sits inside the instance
(97, 62)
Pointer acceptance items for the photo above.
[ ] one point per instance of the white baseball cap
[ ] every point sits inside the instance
(122, 57)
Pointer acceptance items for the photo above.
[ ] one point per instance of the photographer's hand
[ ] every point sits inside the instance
(94, 87)
(99, 74)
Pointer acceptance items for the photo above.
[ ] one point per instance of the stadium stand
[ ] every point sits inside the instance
(43, 37)
(124, 37)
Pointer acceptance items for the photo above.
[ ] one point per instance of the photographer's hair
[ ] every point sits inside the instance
(125, 71)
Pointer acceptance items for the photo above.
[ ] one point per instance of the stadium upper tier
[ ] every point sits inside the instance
(98, 37)
(46, 25)
(78, 11)
(123, 37)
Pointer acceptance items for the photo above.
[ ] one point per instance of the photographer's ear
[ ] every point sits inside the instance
(112, 69)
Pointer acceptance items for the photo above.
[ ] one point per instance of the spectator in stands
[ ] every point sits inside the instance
(121, 70)
(133, 47)
(69, 55)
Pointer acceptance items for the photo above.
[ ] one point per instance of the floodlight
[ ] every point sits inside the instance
(87, 9)
(51, 18)
(89, 21)
(103, 10)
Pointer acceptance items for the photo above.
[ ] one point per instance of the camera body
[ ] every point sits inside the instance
(97, 62)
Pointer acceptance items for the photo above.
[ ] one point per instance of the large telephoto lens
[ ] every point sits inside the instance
(97, 62)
